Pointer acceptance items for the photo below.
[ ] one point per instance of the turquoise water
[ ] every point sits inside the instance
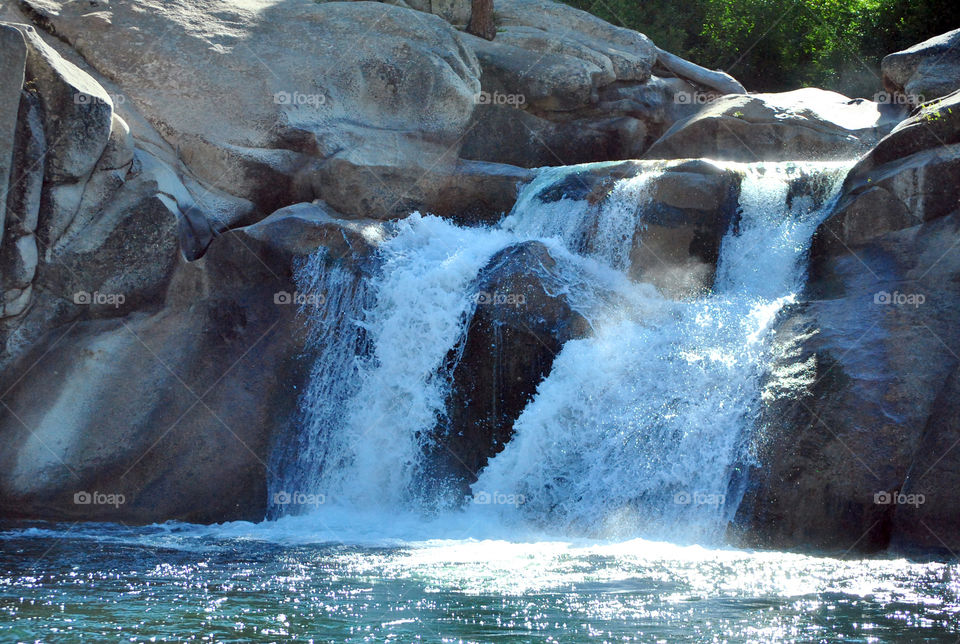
(266, 583)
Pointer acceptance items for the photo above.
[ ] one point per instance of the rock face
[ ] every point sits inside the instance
(521, 321)
(907, 179)
(692, 206)
(805, 124)
(925, 71)
(170, 409)
(13, 53)
(387, 126)
(856, 435)
(410, 81)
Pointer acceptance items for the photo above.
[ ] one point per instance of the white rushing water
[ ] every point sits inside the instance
(642, 429)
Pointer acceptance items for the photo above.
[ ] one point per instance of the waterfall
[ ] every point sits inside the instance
(333, 301)
(642, 428)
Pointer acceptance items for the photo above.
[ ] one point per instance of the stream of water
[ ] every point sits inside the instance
(602, 519)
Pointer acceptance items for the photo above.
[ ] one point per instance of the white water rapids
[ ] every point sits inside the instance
(642, 429)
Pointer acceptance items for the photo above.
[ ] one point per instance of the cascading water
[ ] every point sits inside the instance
(641, 429)
(334, 308)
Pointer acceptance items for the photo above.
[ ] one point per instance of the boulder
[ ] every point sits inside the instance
(925, 71)
(390, 128)
(691, 208)
(853, 387)
(683, 211)
(300, 229)
(19, 254)
(563, 75)
(78, 112)
(565, 88)
(804, 124)
(87, 213)
(402, 178)
(521, 320)
(855, 434)
(410, 79)
(456, 12)
(537, 142)
(908, 178)
(931, 521)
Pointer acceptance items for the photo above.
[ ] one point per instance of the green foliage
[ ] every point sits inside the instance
(776, 45)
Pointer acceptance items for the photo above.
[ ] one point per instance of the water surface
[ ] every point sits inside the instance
(271, 583)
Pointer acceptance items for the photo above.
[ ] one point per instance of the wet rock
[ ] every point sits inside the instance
(169, 407)
(857, 416)
(682, 215)
(521, 321)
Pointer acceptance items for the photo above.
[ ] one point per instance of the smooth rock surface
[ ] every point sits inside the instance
(924, 71)
(804, 124)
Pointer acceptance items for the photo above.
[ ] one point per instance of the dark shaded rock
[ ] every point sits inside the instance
(692, 207)
(300, 229)
(927, 515)
(170, 409)
(13, 59)
(855, 410)
(19, 254)
(859, 419)
(167, 409)
(592, 184)
(535, 141)
(521, 321)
